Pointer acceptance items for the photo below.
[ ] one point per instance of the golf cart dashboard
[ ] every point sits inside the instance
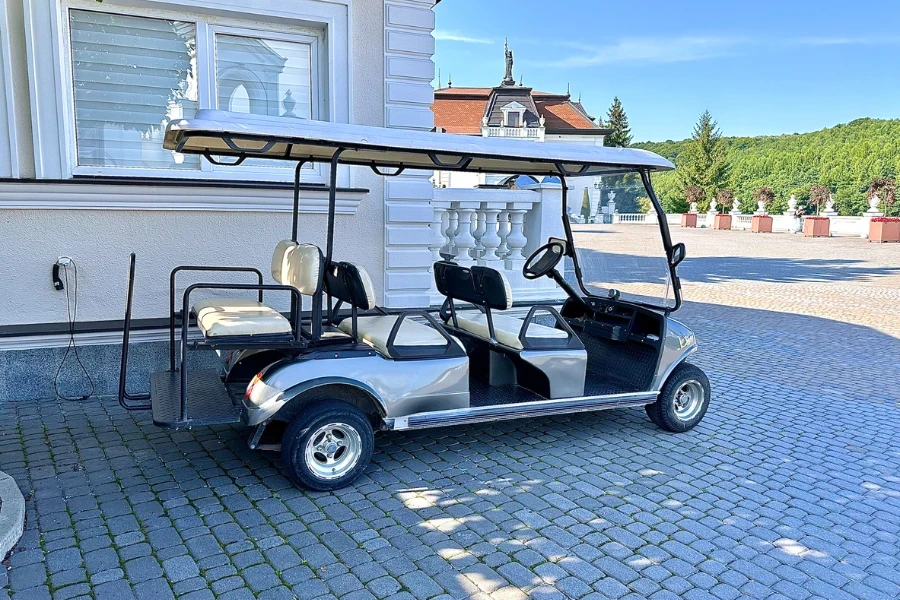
(613, 320)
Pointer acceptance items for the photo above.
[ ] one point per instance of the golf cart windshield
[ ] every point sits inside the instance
(617, 243)
(647, 252)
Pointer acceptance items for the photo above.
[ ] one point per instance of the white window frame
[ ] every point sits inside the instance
(53, 106)
(513, 107)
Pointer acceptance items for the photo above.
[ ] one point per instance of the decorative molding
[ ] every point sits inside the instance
(40, 195)
(408, 71)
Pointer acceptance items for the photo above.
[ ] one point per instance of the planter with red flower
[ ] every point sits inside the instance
(762, 222)
(692, 194)
(816, 227)
(724, 200)
(884, 229)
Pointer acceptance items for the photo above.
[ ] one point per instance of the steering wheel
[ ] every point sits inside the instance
(543, 260)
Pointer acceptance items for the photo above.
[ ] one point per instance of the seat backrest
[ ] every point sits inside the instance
(351, 284)
(494, 287)
(279, 261)
(481, 286)
(304, 263)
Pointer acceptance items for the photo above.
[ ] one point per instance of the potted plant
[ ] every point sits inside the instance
(883, 228)
(817, 226)
(722, 220)
(814, 226)
(692, 194)
(762, 222)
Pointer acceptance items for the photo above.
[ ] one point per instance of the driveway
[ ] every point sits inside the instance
(789, 488)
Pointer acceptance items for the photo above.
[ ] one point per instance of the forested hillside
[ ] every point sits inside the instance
(844, 158)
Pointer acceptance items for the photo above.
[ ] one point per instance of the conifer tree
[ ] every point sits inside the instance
(617, 120)
(704, 161)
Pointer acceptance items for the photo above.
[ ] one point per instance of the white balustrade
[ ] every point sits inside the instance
(488, 227)
(535, 133)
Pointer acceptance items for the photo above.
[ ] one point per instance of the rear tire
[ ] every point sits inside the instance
(327, 446)
(683, 400)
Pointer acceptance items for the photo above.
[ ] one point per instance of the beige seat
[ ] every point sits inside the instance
(351, 283)
(293, 264)
(506, 328)
(376, 330)
(238, 316)
(489, 288)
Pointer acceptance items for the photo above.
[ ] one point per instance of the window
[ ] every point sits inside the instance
(512, 118)
(132, 75)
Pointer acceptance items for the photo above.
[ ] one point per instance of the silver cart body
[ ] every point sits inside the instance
(315, 382)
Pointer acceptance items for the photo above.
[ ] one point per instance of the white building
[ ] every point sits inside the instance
(86, 90)
(515, 111)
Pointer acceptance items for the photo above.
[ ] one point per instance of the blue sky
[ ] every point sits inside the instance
(760, 67)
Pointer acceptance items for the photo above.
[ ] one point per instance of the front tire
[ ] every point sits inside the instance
(683, 400)
(327, 446)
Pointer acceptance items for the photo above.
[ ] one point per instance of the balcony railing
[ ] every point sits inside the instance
(533, 133)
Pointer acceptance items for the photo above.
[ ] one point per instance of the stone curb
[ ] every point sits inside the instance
(12, 514)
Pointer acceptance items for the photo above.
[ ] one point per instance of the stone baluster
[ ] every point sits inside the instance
(464, 240)
(491, 238)
(516, 239)
(503, 232)
(450, 233)
(478, 229)
(438, 227)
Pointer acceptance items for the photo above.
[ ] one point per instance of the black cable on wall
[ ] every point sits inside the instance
(71, 346)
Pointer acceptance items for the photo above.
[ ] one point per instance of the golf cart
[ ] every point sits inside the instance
(317, 381)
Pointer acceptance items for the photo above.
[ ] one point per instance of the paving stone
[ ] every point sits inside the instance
(786, 490)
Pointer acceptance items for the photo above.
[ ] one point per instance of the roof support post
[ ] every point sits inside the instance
(316, 319)
(296, 213)
(666, 237)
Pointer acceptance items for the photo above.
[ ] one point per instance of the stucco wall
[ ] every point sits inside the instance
(100, 240)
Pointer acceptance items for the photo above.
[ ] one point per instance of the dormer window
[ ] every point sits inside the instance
(513, 115)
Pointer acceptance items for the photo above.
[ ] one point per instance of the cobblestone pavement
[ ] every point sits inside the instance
(788, 489)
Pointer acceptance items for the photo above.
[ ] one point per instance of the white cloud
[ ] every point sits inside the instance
(661, 50)
(649, 50)
(455, 36)
(847, 41)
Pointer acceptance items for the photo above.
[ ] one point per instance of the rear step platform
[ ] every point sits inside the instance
(208, 401)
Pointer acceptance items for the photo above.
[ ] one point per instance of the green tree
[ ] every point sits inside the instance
(845, 159)
(586, 206)
(617, 121)
(704, 162)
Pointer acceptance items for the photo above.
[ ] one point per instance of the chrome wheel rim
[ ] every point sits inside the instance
(333, 450)
(689, 400)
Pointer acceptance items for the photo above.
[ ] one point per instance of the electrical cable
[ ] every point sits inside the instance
(72, 315)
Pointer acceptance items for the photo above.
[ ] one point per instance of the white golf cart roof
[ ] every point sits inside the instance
(218, 133)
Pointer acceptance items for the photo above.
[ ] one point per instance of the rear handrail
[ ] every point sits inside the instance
(185, 323)
(185, 315)
(124, 396)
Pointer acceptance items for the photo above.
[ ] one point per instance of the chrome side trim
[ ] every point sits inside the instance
(502, 412)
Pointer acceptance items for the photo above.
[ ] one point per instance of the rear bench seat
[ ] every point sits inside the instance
(293, 264)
